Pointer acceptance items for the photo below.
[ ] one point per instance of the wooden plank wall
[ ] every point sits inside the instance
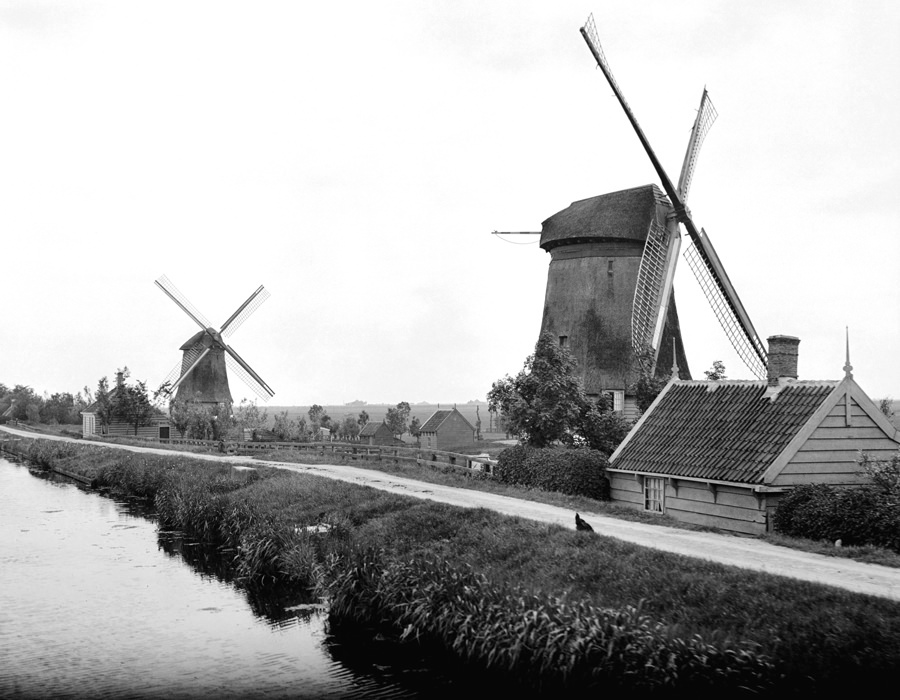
(454, 431)
(829, 455)
(729, 508)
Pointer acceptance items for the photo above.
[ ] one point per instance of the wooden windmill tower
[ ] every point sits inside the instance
(201, 375)
(610, 283)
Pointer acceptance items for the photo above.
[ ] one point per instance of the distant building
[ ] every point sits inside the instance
(91, 425)
(374, 433)
(446, 429)
(722, 453)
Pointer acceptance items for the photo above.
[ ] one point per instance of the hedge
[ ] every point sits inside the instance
(575, 471)
(856, 516)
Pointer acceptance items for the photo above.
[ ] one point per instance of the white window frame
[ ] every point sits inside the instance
(618, 400)
(655, 494)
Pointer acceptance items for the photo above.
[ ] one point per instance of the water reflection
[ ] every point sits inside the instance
(90, 607)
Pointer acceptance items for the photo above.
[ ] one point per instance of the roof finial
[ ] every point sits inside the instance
(674, 361)
(848, 368)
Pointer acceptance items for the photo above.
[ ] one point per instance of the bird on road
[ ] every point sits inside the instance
(581, 524)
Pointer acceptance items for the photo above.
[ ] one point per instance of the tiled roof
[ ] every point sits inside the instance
(723, 431)
(370, 428)
(93, 407)
(433, 423)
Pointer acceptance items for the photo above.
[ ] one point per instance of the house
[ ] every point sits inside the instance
(446, 429)
(373, 433)
(722, 453)
(91, 425)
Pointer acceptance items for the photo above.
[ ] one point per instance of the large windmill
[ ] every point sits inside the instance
(201, 375)
(610, 292)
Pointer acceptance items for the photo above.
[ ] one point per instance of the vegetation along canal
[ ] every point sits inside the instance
(95, 603)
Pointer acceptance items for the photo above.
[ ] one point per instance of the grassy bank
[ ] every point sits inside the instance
(532, 604)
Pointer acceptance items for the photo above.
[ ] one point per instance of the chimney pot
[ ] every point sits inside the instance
(782, 357)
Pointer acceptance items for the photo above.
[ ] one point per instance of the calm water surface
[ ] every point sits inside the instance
(93, 605)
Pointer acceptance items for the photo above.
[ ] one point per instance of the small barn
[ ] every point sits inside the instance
(373, 433)
(446, 429)
(159, 427)
(722, 453)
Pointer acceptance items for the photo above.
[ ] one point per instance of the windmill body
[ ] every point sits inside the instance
(597, 247)
(208, 382)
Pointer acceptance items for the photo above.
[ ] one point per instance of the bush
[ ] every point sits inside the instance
(574, 471)
(510, 468)
(856, 516)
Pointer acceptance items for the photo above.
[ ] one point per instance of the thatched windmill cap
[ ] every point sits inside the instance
(626, 214)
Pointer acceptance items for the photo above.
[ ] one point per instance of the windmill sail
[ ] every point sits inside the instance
(654, 287)
(706, 265)
(706, 115)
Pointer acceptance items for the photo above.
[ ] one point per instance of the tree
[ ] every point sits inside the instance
(22, 397)
(180, 415)
(716, 372)
(886, 405)
(648, 385)
(249, 417)
(602, 428)
(59, 408)
(285, 428)
(545, 401)
(397, 418)
(315, 413)
(350, 427)
(104, 403)
(131, 405)
(415, 426)
(363, 418)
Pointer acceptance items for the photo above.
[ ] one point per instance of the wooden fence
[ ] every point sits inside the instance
(349, 452)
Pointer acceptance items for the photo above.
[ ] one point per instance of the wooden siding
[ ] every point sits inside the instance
(454, 431)
(630, 411)
(729, 508)
(829, 455)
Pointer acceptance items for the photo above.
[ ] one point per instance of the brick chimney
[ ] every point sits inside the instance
(120, 379)
(782, 358)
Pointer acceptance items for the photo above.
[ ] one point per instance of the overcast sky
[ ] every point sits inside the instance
(354, 158)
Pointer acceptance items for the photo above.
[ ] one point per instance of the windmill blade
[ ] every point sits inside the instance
(189, 357)
(589, 32)
(654, 286)
(246, 373)
(243, 311)
(194, 363)
(725, 303)
(172, 292)
(706, 116)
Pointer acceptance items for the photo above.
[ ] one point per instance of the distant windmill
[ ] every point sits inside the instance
(201, 375)
(610, 293)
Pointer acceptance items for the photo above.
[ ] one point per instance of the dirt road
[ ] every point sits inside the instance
(744, 552)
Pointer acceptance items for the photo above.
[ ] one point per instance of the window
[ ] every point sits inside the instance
(654, 494)
(563, 341)
(618, 400)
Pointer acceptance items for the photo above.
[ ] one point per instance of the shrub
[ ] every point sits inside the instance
(575, 471)
(510, 468)
(856, 516)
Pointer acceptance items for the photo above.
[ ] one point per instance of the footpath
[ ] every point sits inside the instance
(745, 552)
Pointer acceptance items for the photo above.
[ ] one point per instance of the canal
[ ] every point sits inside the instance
(95, 602)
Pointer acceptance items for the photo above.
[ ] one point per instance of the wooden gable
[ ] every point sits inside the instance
(827, 448)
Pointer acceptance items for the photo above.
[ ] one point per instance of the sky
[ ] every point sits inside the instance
(355, 157)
